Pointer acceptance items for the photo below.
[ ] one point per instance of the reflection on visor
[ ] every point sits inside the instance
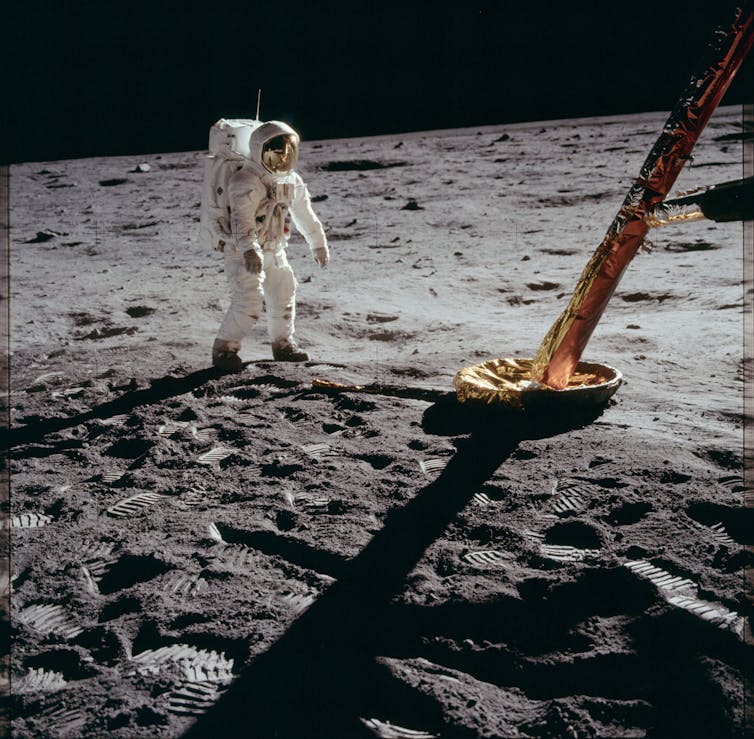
(279, 154)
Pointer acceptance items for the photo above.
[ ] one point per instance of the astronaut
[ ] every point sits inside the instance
(264, 196)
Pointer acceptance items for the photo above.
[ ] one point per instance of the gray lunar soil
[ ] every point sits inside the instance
(245, 554)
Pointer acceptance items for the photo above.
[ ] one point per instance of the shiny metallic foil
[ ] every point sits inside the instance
(496, 381)
(562, 347)
(506, 381)
(665, 214)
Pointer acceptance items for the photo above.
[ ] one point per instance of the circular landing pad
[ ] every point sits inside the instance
(507, 382)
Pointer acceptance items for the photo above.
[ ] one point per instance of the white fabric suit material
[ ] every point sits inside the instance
(262, 205)
(273, 288)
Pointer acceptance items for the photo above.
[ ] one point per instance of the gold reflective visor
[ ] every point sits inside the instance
(279, 154)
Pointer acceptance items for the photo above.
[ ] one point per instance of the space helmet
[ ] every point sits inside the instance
(274, 145)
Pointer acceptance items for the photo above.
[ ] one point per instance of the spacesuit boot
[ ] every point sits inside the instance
(287, 350)
(225, 356)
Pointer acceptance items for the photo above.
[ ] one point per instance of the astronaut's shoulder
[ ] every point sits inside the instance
(246, 179)
(244, 171)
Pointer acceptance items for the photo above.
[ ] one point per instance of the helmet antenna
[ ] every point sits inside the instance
(259, 100)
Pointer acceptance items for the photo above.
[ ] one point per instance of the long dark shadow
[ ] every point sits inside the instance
(161, 389)
(321, 675)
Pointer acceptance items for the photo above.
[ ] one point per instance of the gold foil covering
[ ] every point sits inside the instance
(665, 214)
(562, 347)
(496, 381)
(506, 381)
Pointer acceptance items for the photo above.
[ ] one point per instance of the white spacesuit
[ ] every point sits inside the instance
(264, 195)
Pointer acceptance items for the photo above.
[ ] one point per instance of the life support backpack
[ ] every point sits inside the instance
(228, 150)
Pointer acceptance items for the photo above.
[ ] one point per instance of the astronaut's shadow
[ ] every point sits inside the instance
(321, 677)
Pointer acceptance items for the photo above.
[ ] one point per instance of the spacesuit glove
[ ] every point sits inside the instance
(322, 256)
(253, 260)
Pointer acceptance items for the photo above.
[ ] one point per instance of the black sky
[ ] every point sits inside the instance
(97, 77)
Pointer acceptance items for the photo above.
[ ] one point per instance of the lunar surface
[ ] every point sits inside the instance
(206, 554)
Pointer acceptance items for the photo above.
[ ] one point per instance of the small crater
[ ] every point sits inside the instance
(336, 507)
(103, 645)
(412, 205)
(147, 716)
(139, 226)
(355, 422)
(296, 415)
(43, 236)
(669, 477)
(189, 619)
(643, 297)
(637, 552)
(559, 252)
(359, 165)
(494, 494)
(565, 200)
(609, 483)
(139, 311)
(518, 300)
(690, 246)
(82, 319)
(390, 336)
(176, 165)
(119, 721)
(543, 285)
(332, 428)
(286, 520)
(378, 461)
(280, 468)
(119, 608)
(113, 182)
(629, 513)
(575, 534)
(130, 570)
(246, 393)
(129, 448)
(415, 372)
(483, 534)
(350, 403)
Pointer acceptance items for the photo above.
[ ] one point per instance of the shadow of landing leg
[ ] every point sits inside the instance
(320, 676)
